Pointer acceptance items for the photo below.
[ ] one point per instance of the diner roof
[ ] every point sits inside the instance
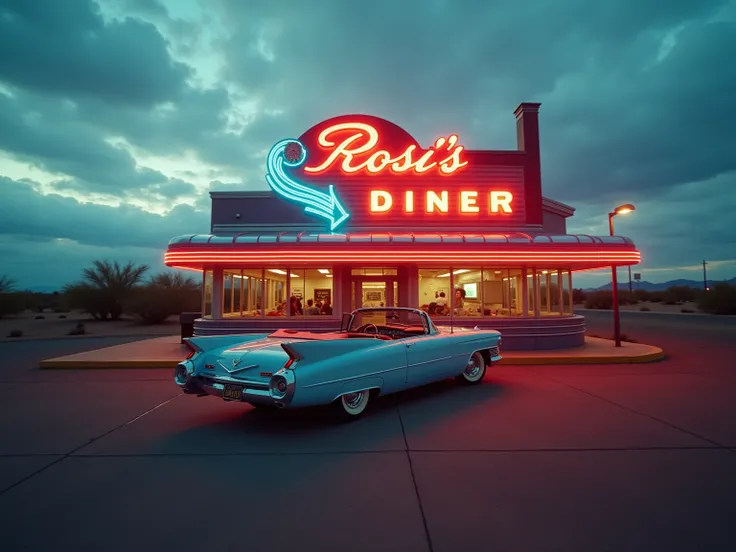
(573, 252)
(388, 237)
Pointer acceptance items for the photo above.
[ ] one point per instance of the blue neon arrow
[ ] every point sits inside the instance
(325, 205)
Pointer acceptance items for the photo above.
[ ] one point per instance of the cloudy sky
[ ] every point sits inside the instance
(118, 116)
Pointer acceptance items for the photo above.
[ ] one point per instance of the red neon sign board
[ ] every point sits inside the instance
(386, 179)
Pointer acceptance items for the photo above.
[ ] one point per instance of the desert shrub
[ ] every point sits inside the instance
(11, 303)
(656, 296)
(603, 299)
(645, 309)
(94, 301)
(165, 294)
(15, 333)
(720, 299)
(676, 295)
(578, 296)
(104, 289)
(641, 295)
(599, 300)
(79, 329)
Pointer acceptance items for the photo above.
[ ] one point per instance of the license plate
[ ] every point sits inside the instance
(233, 393)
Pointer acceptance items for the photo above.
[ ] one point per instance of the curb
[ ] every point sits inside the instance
(655, 355)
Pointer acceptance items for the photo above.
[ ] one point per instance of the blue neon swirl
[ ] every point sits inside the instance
(315, 202)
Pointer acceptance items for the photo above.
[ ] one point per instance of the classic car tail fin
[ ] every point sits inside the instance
(208, 343)
(312, 351)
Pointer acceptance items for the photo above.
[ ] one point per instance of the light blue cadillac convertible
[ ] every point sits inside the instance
(377, 351)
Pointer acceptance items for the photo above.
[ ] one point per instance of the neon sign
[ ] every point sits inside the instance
(359, 152)
(382, 201)
(372, 173)
(293, 154)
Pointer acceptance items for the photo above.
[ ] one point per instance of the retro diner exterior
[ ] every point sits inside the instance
(359, 214)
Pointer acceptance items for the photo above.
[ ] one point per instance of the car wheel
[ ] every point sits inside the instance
(351, 406)
(475, 370)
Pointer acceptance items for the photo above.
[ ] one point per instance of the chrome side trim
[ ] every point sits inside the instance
(350, 378)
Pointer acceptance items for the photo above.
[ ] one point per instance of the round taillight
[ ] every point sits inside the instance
(278, 386)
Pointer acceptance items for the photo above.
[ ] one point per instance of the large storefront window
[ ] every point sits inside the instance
(492, 292)
(274, 292)
(207, 294)
(311, 288)
(242, 292)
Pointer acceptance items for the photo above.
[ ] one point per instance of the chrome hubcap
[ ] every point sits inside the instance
(353, 400)
(473, 368)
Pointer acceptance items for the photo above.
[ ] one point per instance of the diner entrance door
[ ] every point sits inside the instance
(375, 291)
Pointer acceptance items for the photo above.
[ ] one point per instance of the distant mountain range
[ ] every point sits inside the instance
(650, 286)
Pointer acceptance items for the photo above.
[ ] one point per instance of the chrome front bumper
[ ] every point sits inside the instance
(255, 392)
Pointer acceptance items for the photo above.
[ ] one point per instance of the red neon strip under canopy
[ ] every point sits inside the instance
(575, 252)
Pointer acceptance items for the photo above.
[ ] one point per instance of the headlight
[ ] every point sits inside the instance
(278, 387)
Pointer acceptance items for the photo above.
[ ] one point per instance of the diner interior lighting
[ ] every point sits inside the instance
(277, 271)
(460, 271)
(323, 271)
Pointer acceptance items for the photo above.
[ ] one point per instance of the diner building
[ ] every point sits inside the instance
(359, 213)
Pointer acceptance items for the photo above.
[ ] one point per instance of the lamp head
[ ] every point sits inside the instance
(623, 209)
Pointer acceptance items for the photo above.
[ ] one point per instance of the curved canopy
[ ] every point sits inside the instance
(576, 252)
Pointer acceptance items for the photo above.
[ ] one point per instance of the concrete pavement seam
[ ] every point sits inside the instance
(80, 447)
(387, 451)
(414, 482)
(653, 418)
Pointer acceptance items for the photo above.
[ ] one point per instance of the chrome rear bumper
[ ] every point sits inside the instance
(255, 392)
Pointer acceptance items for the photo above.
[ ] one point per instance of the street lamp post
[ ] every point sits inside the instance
(620, 210)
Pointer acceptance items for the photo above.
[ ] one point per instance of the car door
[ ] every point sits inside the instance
(429, 358)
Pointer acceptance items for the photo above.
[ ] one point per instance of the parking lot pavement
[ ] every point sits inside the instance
(631, 457)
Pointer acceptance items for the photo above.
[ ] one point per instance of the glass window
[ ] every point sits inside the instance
(531, 281)
(566, 292)
(274, 293)
(311, 288)
(241, 292)
(551, 284)
(497, 292)
(434, 291)
(468, 289)
(229, 307)
(207, 295)
(514, 287)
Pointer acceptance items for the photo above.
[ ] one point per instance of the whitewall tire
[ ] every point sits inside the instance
(351, 406)
(475, 369)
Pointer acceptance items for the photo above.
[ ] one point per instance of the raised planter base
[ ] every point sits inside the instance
(519, 334)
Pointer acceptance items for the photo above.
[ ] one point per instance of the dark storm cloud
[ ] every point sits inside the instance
(643, 129)
(623, 119)
(67, 47)
(25, 213)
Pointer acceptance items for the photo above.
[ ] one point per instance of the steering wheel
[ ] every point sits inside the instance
(366, 326)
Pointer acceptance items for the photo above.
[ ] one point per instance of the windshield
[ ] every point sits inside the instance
(396, 318)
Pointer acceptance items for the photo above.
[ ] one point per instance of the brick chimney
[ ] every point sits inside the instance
(527, 140)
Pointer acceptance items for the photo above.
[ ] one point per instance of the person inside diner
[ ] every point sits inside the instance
(326, 307)
(460, 301)
(311, 308)
(295, 306)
